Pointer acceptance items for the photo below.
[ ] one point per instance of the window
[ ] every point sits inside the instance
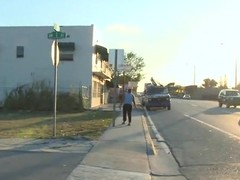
(66, 56)
(20, 51)
(66, 51)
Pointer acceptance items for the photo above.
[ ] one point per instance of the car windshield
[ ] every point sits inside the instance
(157, 90)
(232, 93)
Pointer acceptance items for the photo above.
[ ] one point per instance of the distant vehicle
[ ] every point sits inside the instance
(229, 97)
(186, 96)
(156, 96)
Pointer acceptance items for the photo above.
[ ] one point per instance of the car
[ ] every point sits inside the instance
(229, 97)
(186, 96)
(156, 96)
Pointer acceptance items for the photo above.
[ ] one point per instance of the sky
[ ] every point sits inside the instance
(181, 41)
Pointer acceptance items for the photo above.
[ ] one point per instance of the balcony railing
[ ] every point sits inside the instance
(102, 69)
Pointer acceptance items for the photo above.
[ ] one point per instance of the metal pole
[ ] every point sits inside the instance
(55, 88)
(236, 73)
(115, 88)
(123, 81)
(194, 75)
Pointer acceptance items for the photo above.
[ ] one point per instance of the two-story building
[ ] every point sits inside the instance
(25, 57)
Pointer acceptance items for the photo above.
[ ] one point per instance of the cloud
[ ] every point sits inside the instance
(124, 29)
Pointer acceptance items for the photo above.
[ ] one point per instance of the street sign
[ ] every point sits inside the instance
(56, 35)
(116, 53)
(53, 53)
(124, 67)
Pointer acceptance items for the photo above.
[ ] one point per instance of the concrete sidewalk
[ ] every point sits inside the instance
(122, 153)
(126, 152)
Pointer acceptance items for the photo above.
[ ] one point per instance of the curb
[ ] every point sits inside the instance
(150, 145)
(158, 136)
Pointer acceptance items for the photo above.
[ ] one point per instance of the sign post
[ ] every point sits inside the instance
(55, 86)
(55, 35)
(116, 57)
(115, 87)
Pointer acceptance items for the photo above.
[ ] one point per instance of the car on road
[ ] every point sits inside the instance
(156, 96)
(186, 96)
(229, 97)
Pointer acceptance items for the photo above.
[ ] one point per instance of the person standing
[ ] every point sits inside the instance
(128, 100)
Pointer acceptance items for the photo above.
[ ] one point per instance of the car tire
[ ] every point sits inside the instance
(228, 105)
(148, 108)
(169, 108)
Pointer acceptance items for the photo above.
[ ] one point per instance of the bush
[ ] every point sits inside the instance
(67, 102)
(40, 97)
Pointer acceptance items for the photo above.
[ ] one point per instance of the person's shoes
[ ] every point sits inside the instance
(123, 122)
(129, 124)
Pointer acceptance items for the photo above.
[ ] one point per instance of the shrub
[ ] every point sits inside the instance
(39, 96)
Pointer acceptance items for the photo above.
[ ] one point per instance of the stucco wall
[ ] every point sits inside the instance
(37, 64)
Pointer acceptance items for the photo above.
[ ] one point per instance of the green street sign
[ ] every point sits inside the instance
(56, 35)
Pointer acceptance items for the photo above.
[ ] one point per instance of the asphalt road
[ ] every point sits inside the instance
(204, 138)
(23, 165)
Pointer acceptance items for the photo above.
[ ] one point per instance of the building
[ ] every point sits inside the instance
(25, 57)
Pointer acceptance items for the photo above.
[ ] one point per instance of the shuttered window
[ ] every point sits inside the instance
(20, 51)
(66, 51)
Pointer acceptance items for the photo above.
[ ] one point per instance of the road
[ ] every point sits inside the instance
(26, 165)
(204, 138)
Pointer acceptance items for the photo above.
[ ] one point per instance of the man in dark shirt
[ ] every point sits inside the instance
(128, 100)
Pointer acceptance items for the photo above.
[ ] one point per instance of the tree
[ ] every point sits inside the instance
(135, 74)
(223, 83)
(209, 83)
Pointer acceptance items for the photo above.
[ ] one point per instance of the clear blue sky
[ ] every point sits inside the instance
(173, 36)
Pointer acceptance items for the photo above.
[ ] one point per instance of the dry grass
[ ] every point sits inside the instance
(88, 124)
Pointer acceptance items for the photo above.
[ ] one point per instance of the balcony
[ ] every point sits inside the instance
(102, 69)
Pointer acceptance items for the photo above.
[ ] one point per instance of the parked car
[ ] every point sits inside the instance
(229, 97)
(186, 96)
(156, 96)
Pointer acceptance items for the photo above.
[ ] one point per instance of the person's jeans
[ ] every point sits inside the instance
(127, 111)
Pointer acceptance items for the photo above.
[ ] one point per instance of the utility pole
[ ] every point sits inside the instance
(194, 75)
(236, 73)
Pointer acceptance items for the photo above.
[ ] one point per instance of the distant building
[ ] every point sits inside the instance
(25, 57)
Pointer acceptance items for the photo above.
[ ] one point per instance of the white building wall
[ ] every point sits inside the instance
(37, 64)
